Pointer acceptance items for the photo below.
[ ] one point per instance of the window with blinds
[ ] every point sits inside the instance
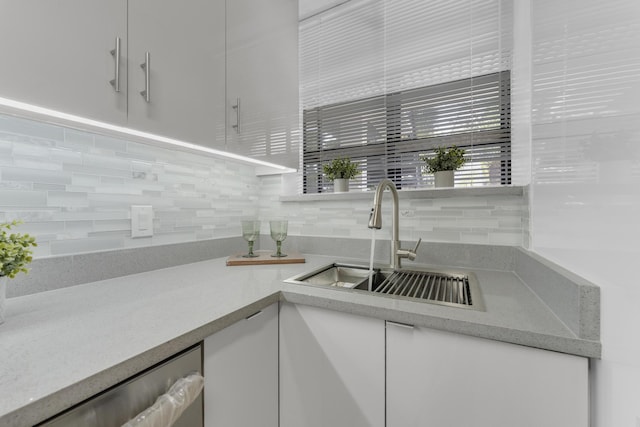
(385, 82)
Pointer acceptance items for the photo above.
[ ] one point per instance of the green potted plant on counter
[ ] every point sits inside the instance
(443, 164)
(340, 171)
(15, 254)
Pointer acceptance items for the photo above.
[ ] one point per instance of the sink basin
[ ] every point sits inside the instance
(436, 286)
(340, 275)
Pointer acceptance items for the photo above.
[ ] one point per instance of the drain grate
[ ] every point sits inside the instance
(446, 288)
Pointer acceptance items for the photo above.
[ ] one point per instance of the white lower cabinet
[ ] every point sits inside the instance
(442, 379)
(302, 366)
(241, 373)
(331, 368)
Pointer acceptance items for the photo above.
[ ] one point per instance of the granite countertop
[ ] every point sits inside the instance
(60, 347)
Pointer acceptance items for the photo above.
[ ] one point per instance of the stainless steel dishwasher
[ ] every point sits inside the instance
(116, 406)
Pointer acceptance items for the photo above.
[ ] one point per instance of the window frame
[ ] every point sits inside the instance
(394, 145)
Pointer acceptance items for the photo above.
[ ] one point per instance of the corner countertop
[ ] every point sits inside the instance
(60, 347)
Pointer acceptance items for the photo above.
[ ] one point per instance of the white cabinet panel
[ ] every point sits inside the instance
(204, 56)
(331, 368)
(444, 379)
(186, 44)
(56, 54)
(262, 73)
(241, 373)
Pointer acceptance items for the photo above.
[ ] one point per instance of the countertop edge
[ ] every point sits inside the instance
(573, 346)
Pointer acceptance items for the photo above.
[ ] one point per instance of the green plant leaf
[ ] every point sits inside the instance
(445, 159)
(341, 168)
(15, 252)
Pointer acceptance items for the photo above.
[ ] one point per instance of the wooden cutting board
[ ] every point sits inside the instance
(264, 257)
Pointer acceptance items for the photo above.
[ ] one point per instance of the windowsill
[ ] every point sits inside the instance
(430, 193)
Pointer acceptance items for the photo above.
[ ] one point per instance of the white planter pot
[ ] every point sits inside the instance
(340, 185)
(444, 179)
(3, 296)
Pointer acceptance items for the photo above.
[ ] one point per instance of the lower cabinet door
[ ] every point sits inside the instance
(331, 368)
(241, 373)
(436, 378)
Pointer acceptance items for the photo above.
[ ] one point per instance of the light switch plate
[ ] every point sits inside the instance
(141, 221)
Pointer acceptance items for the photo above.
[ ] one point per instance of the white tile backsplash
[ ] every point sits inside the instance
(495, 219)
(74, 189)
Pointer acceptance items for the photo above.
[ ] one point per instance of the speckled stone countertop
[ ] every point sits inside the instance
(60, 347)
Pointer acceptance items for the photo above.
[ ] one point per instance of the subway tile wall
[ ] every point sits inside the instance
(494, 220)
(74, 189)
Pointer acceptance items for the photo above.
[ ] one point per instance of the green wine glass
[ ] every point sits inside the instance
(279, 233)
(250, 233)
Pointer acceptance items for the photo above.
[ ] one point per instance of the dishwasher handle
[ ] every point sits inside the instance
(169, 406)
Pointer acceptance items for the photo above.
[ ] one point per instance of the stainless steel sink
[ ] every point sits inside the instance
(444, 287)
(340, 275)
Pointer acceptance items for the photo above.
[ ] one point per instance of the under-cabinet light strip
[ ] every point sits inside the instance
(94, 124)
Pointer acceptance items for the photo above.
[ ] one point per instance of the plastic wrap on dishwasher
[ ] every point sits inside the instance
(169, 406)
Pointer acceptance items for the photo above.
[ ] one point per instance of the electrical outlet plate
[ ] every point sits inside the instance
(141, 221)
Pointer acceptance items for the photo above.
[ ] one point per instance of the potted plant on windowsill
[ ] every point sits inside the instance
(340, 171)
(443, 164)
(15, 254)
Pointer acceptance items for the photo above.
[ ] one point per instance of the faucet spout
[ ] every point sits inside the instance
(375, 221)
(375, 218)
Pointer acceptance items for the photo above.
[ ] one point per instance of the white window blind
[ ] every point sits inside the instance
(384, 82)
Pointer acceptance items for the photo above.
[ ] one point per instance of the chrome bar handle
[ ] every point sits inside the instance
(237, 108)
(146, 66)
(116, 56)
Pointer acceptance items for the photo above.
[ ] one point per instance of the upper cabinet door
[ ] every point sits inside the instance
(262, 80)
(184, 41)
(57, 54)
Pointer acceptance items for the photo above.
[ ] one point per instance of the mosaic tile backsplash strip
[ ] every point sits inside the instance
(74, 190)
(495, 220)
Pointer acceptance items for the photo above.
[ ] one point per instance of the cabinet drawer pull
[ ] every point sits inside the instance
(402, 325)
(146, 66)
(115, 82)
(237, 108)
(256, 314)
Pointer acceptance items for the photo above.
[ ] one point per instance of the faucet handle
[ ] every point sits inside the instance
(415, 250)
(409, 253)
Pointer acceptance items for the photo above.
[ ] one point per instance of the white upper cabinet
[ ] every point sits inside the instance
(185, 44)
(262, 80)
(57, 54)
(218, 75)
